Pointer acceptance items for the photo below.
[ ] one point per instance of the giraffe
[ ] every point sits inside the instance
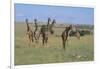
(29, 32)
(36, 30)
(65, 35)
(44, 31)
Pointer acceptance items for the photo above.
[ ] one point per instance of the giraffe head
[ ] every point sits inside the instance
(49, 19)
(35, 20)
(54, 21)
(26, 20)
(68, 28)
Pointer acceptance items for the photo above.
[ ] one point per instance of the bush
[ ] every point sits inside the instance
(72, 33)
(82, 33)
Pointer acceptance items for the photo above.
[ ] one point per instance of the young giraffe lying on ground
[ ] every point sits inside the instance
(77, 33)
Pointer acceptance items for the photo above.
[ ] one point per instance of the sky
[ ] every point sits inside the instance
(62, 14)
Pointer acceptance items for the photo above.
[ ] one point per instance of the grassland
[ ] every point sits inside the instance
(35, 53)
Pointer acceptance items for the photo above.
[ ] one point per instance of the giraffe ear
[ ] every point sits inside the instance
(26, 20)
(35, 20)
(49, 18)
(54, 21)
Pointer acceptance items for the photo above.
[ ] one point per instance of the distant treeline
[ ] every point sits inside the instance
(59, 25)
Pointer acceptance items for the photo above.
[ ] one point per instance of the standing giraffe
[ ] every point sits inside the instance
(44, 31)
(29, 31)
(65, 35)
(35, 31)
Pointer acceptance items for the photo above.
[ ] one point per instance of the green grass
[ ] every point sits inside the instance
(26, 53)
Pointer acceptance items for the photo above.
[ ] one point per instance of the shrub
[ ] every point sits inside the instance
(82, 33)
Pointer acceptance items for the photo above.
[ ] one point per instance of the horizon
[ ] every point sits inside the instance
(62, 14)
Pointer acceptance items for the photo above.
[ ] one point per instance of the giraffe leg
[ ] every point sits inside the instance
(67, 43)
(64, 45)
(35, 37)
(46, 41)
(63, 41)
(32, 39)
(29, 42)
(43, 40)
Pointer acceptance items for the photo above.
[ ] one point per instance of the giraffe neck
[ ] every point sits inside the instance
(48, 23)
(28, 28)
(36, 26)
(67, 29)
